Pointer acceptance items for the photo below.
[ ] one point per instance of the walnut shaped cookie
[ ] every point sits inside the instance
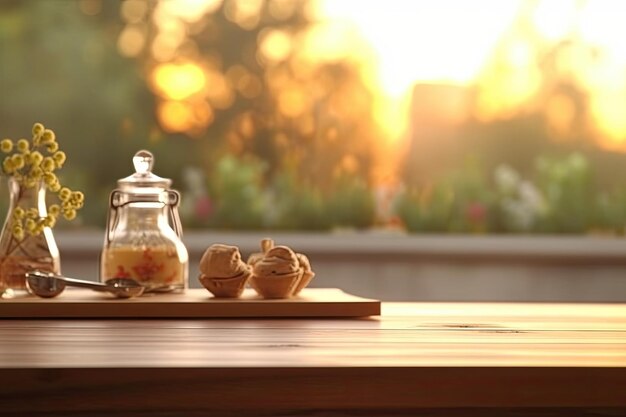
(223, 272)
(278, 271)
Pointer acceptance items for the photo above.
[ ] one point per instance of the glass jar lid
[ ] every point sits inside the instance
(143, 176)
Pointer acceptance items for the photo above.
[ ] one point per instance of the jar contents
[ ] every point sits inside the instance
(155, 267)
(13, 269)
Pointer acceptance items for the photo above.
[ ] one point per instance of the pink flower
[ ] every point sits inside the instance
(476, 212)
(203, 207)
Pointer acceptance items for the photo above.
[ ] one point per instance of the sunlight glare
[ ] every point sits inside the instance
(555, 19)
(444, 41)
(412, 42)
(609, 111)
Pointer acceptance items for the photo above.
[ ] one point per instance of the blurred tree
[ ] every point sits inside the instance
(64, 63)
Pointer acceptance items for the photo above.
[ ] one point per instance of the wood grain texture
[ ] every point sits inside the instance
(416, 359)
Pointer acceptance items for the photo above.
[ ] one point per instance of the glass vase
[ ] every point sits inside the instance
(26, 242)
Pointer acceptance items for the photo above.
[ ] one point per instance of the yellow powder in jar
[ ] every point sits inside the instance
(154, 266)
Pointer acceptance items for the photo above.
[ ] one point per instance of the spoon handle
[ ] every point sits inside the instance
(98, 286)
(93, 285)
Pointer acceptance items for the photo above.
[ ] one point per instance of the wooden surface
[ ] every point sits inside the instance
(193, 303)
(429, 359)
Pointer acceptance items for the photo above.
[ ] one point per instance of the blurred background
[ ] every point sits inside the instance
(420, 116)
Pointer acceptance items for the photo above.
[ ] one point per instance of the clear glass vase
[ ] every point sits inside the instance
(26, 242)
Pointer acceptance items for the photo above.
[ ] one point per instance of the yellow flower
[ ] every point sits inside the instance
(49, 178)
(77, 199)
(69, 214)
(27, 156)
(56, 186)
(18, 161)
(22, 145)
(59, 158)
(78, 196)
(18, 213)
(18, 232)
(49, 221)
(30, 225)
(36, 157)
(7, 165)
(32, 213)
(47, 136)
(65, 194)
(53, 147)
(6, 145)
(30, 182)
(38, 229)
(38, 129)
(54, 210)
(48, 164)
(36, 173)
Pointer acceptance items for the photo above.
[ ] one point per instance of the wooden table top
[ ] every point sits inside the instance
(461, 358)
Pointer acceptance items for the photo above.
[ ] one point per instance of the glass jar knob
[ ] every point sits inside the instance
(143, 161)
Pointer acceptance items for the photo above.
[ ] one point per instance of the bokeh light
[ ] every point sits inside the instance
(491, 50)
(179, 81)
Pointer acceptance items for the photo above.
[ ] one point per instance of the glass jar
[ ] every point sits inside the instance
(31, 250)
(143, 235)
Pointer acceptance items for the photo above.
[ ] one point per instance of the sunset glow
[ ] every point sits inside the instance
(491, 46)
(454, 42)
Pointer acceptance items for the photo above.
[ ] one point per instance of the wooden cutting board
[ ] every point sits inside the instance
(193, 303)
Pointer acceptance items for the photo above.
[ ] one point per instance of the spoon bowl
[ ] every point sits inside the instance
(125, 287)
(48, 285)
(43, 285)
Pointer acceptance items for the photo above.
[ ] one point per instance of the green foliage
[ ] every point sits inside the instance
(243, 201)
(562, 199)
(458, 203)
(237, 193)
(294, 206)
(351, 203)
(610, 213)
(568, 189)
(426, 210)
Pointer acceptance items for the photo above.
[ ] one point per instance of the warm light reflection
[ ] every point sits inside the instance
(179, 81)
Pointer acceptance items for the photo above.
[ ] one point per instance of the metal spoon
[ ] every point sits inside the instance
(48, 285)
